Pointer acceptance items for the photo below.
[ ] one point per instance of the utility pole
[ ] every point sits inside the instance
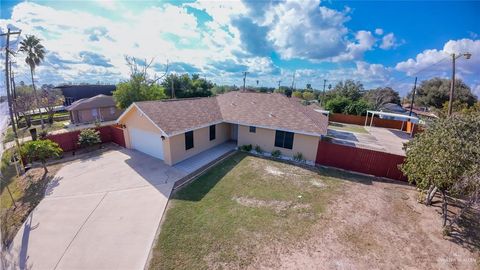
(7, 79)
(244, 79)
(452, 85)
(279, 84)
(413, 97)
(173, 88)
(13, 93)
(293, 79)
(323, 95)
(7, 85)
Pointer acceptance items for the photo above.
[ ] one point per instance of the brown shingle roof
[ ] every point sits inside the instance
(180, 115)
(97, 101)
(256, 109)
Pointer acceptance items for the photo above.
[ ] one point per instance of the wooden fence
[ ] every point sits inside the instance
(69, 141)
(360, 160)
(377, 122)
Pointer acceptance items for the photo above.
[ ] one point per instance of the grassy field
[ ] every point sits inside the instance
(347, 127)
(226, 215)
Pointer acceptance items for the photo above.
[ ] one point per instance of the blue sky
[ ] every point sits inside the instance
(380, 43)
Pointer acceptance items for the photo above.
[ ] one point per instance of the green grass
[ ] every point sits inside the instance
(347, 127)
(25, 132)
(206, 226)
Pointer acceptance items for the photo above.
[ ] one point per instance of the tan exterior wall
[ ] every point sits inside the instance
(174, 147)
(265, 138)
(133, 119)
(103, 114)
(110, 113)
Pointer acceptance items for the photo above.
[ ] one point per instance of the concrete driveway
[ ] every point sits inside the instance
(98, 213)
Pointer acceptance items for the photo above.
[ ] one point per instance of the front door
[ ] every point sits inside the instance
(234, 132)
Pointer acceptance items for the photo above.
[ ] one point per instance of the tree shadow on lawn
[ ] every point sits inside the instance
(467, 232)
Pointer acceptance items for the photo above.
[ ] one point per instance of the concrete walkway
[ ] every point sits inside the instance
(98, 213)
(196, 162)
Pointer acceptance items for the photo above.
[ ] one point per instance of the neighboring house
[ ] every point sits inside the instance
(97, 108)
(73, 93)
(422, 112)
(395, 108)
(173, 130)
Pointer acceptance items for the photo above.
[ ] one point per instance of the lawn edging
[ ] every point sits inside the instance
(177, 186)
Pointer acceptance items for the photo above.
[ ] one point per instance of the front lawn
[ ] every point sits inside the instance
(254, 213)
(229, 213)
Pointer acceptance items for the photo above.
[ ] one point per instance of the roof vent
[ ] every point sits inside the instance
(233, 104)
(253, 102)
(271, 115)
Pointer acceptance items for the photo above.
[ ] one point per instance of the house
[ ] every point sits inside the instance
(97, 108)
(395, 109)
(174, 130)
(73, 93)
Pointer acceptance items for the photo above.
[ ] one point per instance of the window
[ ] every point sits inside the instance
(253, 129)
(112, 110)
(94, 113)
(284, 139)
(212, 132)
(188, 140)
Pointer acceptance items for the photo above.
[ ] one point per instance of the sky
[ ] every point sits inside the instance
(379, 43)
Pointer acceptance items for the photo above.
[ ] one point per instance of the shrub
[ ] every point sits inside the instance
(276, 153)
(258, 149)
(298, 157)
(40, 150)
(246, 147)
(358, 107)
(89, 137)
(338, 104)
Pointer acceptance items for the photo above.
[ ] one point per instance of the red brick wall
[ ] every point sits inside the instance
(360, 160)
(69, 141)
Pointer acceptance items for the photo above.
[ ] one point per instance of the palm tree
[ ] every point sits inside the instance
(35, 53)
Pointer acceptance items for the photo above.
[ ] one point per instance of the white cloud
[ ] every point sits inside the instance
(355, 50)
(389, 41)
(306, 30)
(437, 62)
(379, 31)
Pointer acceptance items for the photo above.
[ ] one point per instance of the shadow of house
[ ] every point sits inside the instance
(197, 189)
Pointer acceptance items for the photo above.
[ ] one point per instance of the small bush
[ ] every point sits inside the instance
(258, 149)
(298, 157)
(41, 150)
(89, 137)
(246, 147)
(276, 153)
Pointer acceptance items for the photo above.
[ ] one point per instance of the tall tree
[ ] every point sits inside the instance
(435, 92)
(349, 89)
(50, 99)
(381, 96)
(24, 102)
(35, 52)
(140, 86)
(444, 154)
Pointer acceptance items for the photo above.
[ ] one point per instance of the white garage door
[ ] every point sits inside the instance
(147, 142)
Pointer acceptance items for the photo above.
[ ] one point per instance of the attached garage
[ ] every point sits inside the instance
(147, 142)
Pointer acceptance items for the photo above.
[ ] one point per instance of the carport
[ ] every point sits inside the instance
(395, 116)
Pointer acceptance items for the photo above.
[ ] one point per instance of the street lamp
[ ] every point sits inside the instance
(452, 85)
